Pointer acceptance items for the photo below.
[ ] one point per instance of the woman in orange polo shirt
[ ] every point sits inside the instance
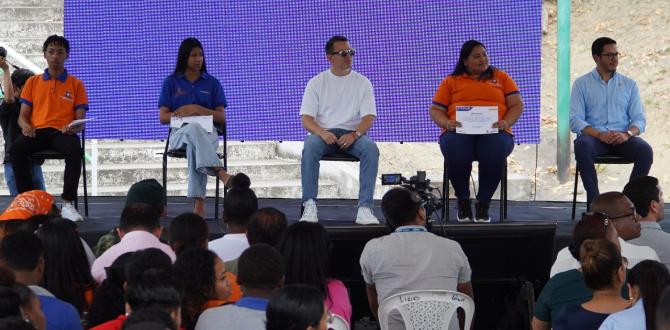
(475, 83)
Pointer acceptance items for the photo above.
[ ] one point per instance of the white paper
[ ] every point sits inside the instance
(207, 122)
(78, 122)
(476, 120)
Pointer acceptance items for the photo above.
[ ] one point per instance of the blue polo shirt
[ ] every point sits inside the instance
(60, 315)
(614, 105)
(178, 91)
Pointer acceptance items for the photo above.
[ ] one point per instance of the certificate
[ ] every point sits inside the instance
(476, 120)
(207, 122)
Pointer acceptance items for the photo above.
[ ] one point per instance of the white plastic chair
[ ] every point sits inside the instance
(427, 309)
(338, 323)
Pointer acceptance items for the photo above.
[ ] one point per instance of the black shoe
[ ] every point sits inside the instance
(482, 212)
(464, 211)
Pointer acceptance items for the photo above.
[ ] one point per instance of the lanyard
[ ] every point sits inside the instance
(410, 229)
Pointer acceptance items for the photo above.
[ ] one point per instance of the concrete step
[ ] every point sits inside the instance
(31, 14)
(35, 29)
(26, 46)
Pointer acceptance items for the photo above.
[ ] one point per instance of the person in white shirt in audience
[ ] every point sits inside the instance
(621, 213)
(238, 206)
(647, 196)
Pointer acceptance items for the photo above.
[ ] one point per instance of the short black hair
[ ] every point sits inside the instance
(150, 315)
(22, 251)
(293, 307)
(599, 44)
(153, 288)
(20, 76)
(188, 230)
(260, 266)
(331, 42)
(266, 226)
(140, 216)
(142, 260)
(641, 191)
(57, 40)
(10, 302)
(400, 206)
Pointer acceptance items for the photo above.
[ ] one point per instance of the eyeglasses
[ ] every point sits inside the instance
(345, 52)
(632, 213)
(611, 56)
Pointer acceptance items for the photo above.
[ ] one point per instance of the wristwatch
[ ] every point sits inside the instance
(358, 134)
(630, 133)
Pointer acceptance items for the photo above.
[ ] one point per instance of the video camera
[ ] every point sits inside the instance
(419, 184)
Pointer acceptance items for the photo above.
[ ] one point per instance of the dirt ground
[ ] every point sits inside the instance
(642, 32)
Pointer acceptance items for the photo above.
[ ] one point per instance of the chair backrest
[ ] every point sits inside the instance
(427, 309)
(338, 323)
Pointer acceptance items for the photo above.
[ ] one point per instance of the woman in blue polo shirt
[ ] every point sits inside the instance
(191, 91)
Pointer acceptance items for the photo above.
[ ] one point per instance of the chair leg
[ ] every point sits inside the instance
(84, 176)
(574, 194)
(216, 200)
(503, 194)
(445, 194)
(165, 177)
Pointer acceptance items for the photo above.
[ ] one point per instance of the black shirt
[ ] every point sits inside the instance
(9, 121)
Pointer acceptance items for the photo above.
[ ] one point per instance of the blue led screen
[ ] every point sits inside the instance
(264, 52)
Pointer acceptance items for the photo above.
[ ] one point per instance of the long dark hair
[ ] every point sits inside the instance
(306, 250)
(294, 307)
(194, 270)
(185, 51)
(466, 50)
(651, 277)
(66, 269)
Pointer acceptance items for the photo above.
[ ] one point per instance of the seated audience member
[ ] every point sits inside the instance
(297, 307)
(188, 230)
(411, 258)
(306, 250)
(139, 228)
(66, 270)
(10, 302)
(646, 282)
(30, 306)
(16, 323)
(147, 191)
(260, 274)
(240, 203)
(202, 276)
(647, 196)
(149, 288)
(620, 212)
(150, 315)
(569, 288)
(663, 311)
(604, 273)
(23, 253)
(122, 272)
(265, 226)
(108, 301)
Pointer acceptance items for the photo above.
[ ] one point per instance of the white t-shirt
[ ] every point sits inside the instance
(565, 261)
(230, 246)
(338, 102)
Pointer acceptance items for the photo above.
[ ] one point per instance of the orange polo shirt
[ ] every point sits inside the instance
(54, 101)
(466, 91)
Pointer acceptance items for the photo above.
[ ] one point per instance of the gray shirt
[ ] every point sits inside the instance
(653, 236)
(231, 317)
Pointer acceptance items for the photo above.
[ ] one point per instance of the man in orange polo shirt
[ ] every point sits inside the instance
(49, 102)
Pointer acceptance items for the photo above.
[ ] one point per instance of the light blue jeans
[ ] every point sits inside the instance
(364, 148)
(38, 178)
(201, 148)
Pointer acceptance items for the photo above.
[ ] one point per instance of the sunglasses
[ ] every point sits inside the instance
(345, 52)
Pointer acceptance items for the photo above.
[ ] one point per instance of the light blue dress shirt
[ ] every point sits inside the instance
(631, 318)
(614, 105)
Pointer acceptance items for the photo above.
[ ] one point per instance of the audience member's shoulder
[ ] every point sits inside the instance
(59, 313)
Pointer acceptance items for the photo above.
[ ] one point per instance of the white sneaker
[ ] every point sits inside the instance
(309, 212)
(68, 211)
(366, 217)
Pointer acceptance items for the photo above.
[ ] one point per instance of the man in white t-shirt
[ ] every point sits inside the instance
(338, 108)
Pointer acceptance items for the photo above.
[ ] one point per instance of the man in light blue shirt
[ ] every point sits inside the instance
(607, 115)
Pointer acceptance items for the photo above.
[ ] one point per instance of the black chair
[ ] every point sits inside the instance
(335, 157)
(181, 153)
(445, 194)
(605, 159)
(53, 154)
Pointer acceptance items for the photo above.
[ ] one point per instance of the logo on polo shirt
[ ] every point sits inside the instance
(180, 92)
(495, 82)
(67, 96)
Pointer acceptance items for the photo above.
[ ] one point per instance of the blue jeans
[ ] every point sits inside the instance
(38, 178)
(490, 150)
(587, 147)
(364, 148)
(201, 148)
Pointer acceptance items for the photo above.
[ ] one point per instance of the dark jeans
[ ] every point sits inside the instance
(460, 150)
(586, 147)
(47, 138)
